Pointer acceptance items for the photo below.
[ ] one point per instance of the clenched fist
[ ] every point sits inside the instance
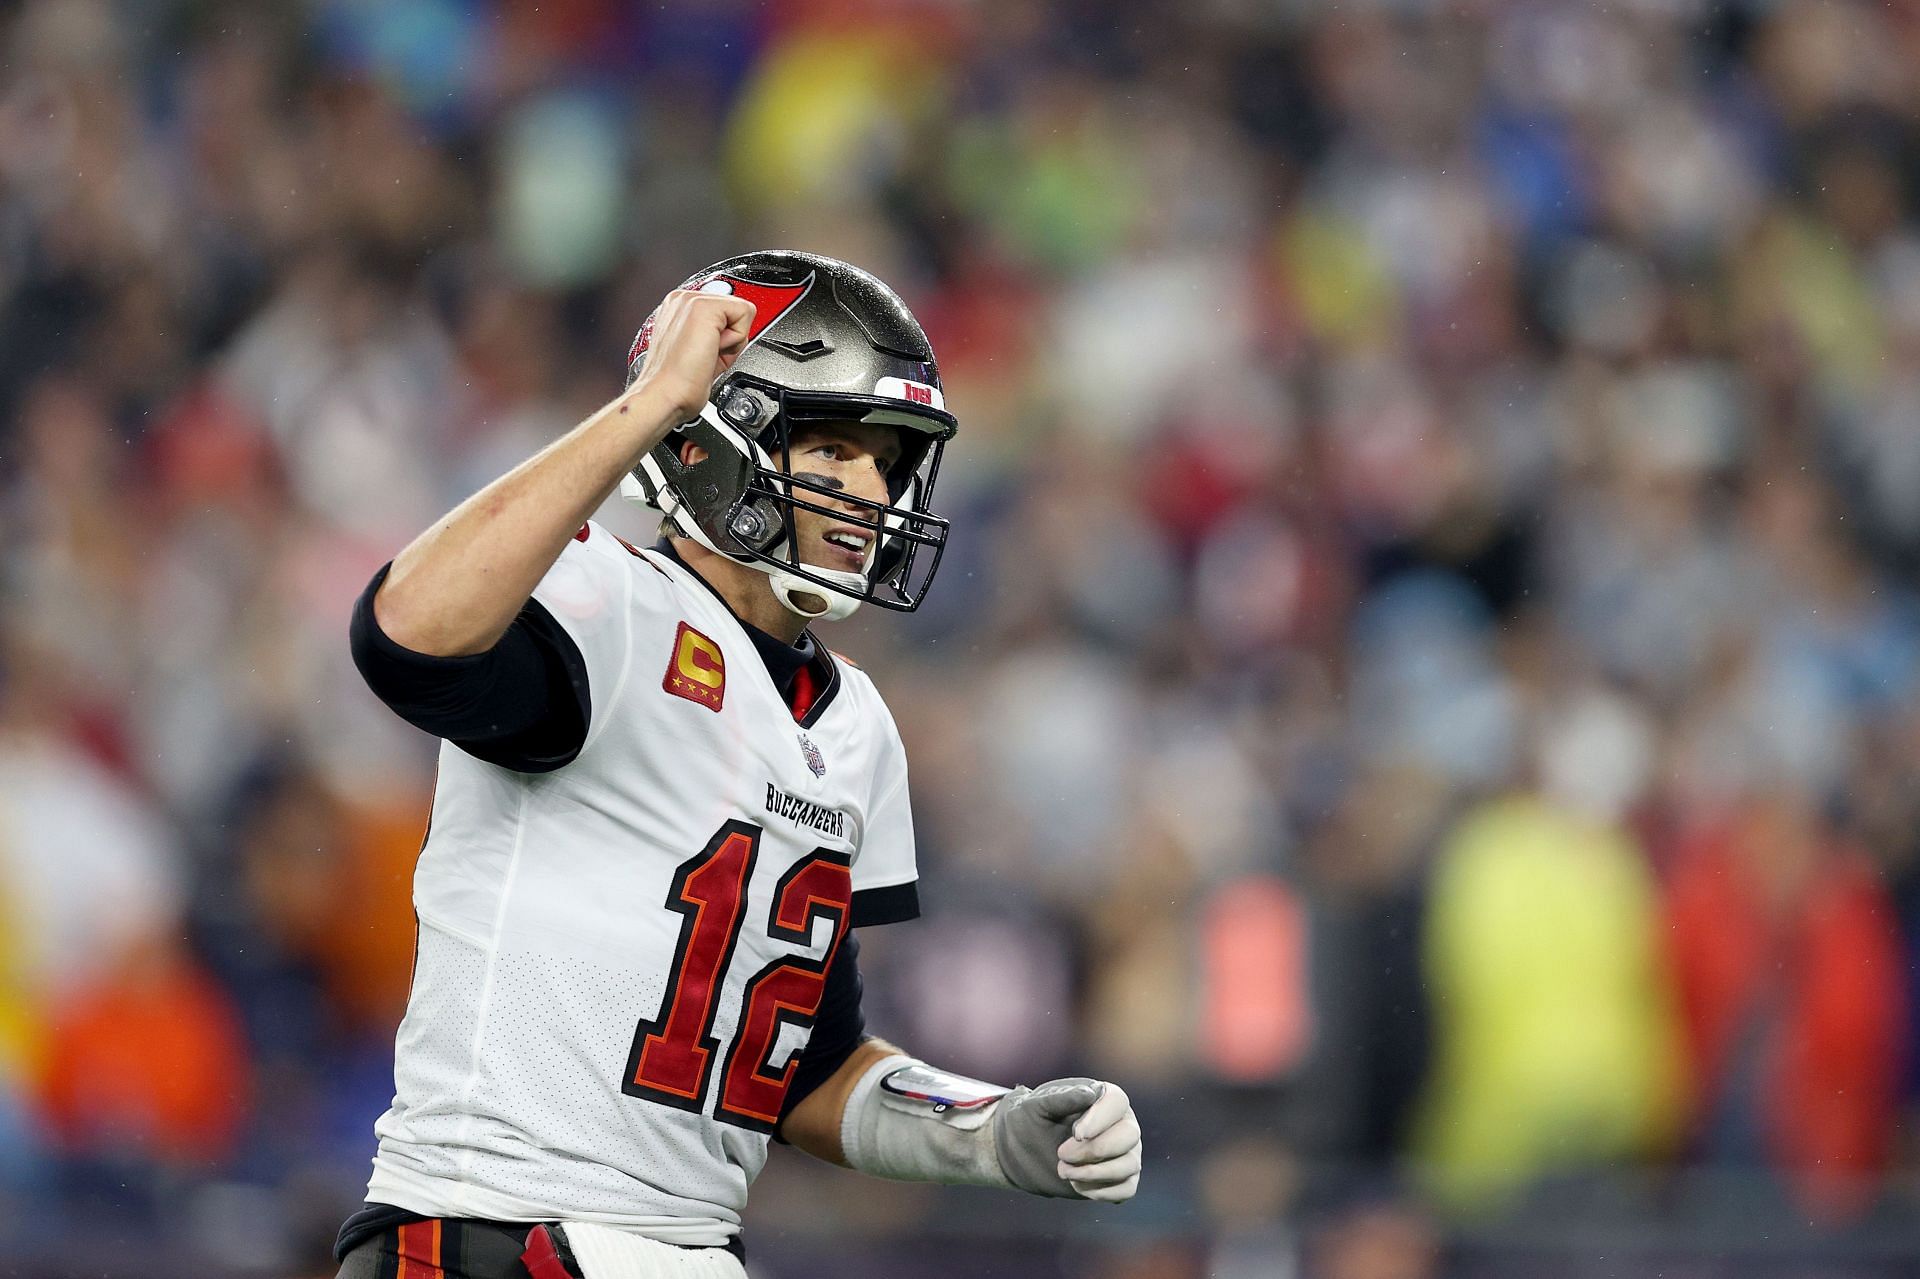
(1071, 1138)
(692, 338)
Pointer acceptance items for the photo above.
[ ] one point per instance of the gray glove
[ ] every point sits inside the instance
(1069, 1139)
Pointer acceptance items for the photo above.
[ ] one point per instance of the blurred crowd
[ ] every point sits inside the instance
(1424, 686)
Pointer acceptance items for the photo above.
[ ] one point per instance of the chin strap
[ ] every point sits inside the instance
(789, 589)
(787, 585)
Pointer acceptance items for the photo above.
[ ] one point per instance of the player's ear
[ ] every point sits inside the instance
(691, 454)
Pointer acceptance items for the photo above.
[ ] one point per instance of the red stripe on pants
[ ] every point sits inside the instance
(420, 1250)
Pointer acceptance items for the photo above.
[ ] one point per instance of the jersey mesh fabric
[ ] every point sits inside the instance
(555, 1057)
(548, 931)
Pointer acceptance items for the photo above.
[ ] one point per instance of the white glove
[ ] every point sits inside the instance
(1069, 1138)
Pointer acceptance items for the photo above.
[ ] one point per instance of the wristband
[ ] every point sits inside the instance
(907, 1121)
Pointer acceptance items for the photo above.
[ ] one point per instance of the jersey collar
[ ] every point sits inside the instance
(804, 672)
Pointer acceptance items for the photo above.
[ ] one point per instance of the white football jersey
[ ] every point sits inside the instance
(619, 960)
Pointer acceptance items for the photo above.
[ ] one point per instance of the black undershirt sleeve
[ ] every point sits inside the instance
(839, 1026)
(524, 704)
(889, 905)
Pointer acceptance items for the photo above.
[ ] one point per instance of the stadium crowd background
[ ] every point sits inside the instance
(1425, 687)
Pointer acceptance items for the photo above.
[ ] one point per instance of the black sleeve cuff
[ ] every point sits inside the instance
(890, 905)
(523, 704)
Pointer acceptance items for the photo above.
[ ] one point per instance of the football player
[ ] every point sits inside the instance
(663, 806)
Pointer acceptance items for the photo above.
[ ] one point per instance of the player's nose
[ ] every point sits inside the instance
(871, 479)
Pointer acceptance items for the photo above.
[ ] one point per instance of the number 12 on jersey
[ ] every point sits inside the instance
(674, 1053)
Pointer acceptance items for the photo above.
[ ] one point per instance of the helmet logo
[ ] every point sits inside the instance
(770, 302)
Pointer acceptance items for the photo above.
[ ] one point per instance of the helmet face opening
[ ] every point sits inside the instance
(742, 496)
(829, 344)
(908, 539)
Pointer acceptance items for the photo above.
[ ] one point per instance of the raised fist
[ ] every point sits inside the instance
(695, 338)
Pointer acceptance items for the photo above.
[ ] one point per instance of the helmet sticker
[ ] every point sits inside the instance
(912, 392)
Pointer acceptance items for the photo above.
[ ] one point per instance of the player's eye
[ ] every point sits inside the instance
(840, 451)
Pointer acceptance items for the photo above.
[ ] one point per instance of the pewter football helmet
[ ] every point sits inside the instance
(828, 342)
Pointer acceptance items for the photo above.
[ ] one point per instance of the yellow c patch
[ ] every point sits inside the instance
(698, 670)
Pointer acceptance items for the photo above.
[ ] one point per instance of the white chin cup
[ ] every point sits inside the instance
(787, 585)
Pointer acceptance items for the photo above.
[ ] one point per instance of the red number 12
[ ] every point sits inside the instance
(674, 1053)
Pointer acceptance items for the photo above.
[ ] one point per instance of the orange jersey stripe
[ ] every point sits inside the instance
(420, 1250)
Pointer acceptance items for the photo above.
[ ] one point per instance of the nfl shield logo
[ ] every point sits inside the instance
(815, 760)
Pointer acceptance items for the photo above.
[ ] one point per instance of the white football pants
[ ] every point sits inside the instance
(605, 1253)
